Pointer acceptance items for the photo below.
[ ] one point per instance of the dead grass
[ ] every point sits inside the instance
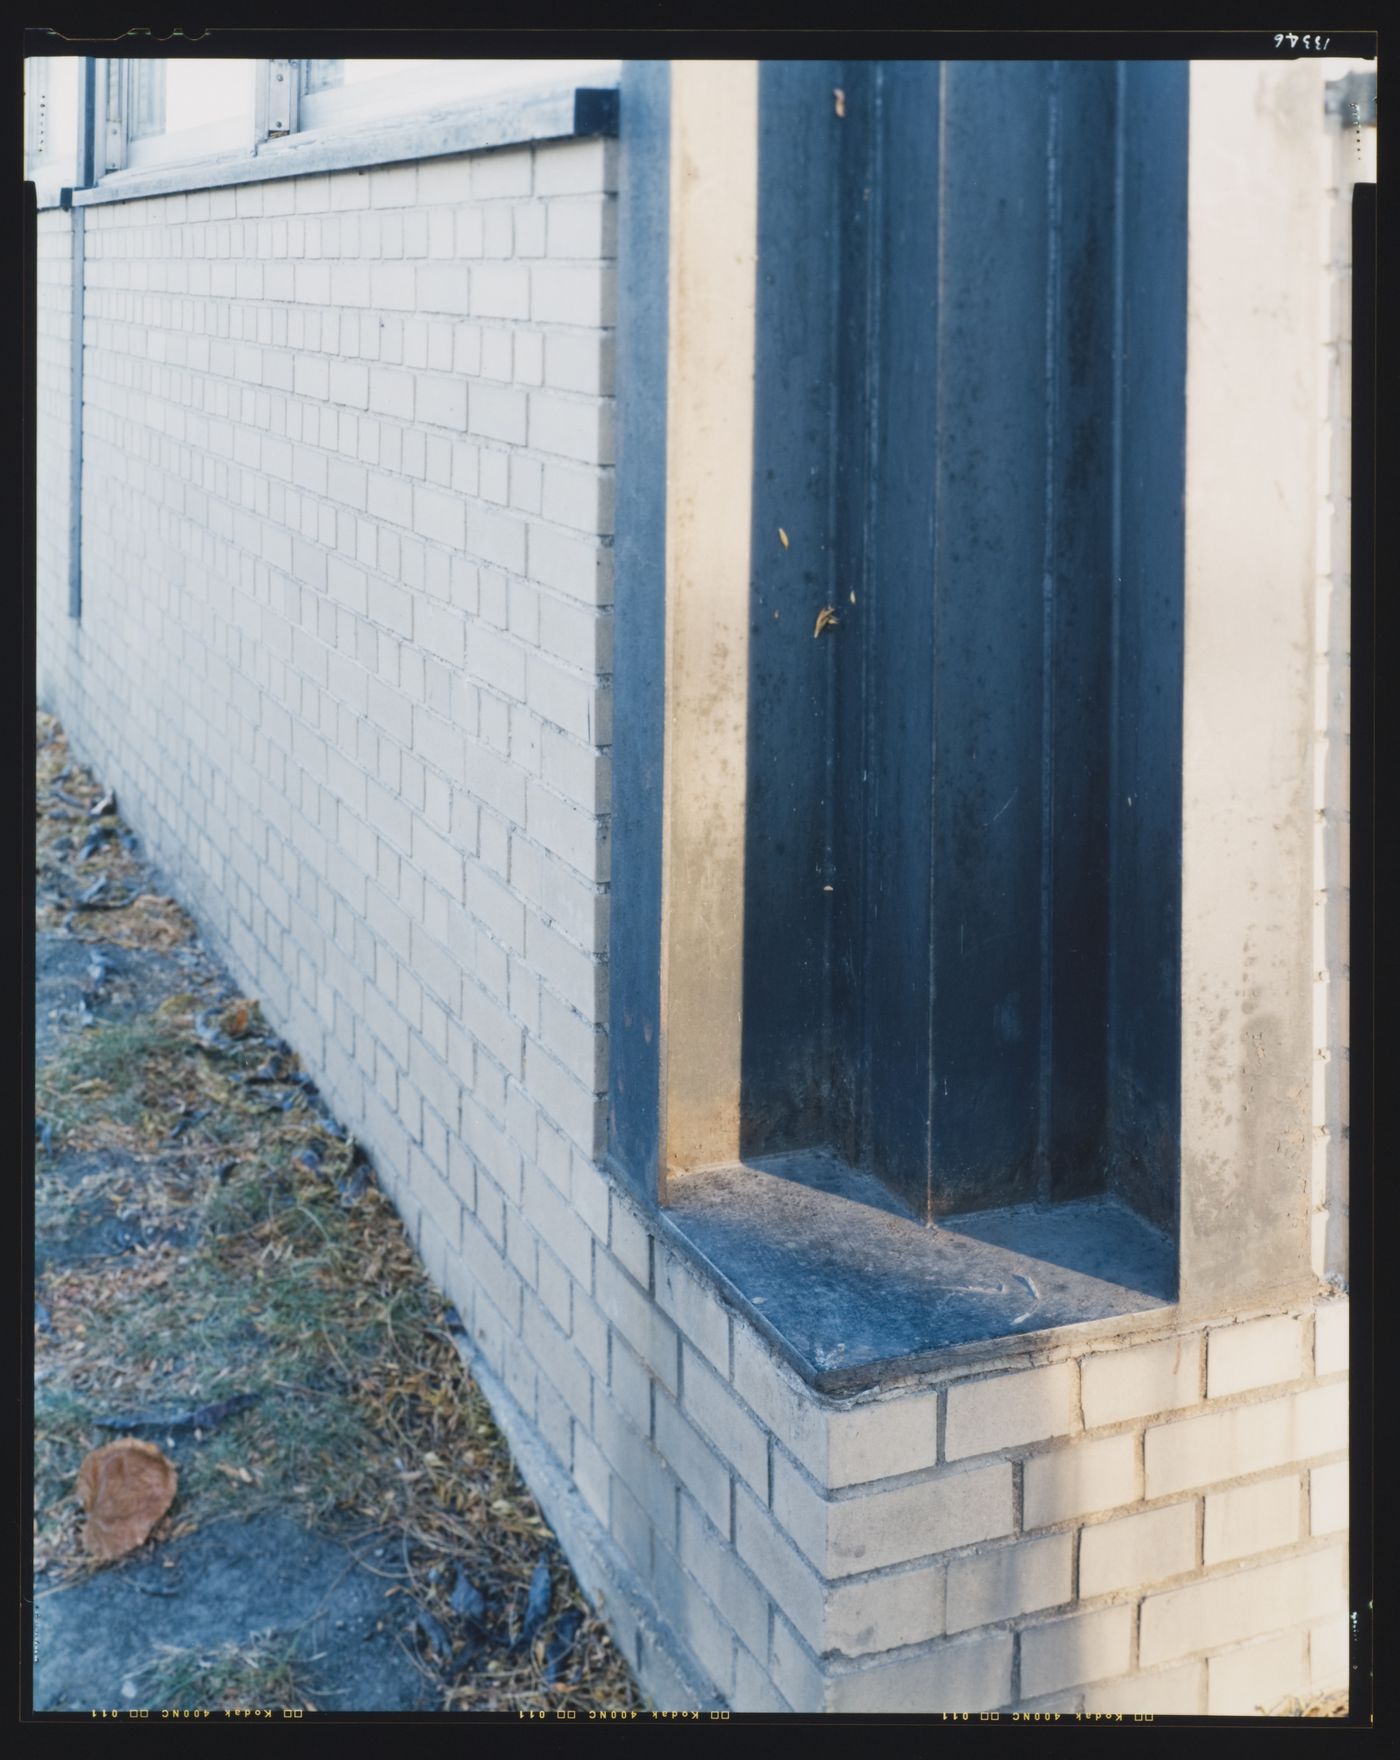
(268, 1673)
(1320, 1705)
(79, 841)
(275, 1268)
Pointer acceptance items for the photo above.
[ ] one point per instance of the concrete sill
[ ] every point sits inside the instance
(854, 1292)
(544, 113)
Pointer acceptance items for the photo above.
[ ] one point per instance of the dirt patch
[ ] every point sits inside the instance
(218, 1274)
(280, 1611)
(84, 1215)
(79, 978)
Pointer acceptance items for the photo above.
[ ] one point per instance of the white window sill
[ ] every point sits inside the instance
(557, 112)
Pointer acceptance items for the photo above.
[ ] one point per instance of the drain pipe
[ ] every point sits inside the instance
(83, 179)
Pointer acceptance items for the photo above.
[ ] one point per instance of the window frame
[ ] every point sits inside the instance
(129, 86)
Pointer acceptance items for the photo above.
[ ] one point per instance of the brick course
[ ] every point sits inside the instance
(1008, 1409)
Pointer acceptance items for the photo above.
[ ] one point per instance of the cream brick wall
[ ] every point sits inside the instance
(344, 654)
(1153, 1559)
(348, 673)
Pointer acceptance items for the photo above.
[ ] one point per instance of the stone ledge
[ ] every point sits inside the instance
(855, 1293)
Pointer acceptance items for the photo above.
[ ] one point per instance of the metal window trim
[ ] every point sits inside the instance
(277, 99)
(113, 85)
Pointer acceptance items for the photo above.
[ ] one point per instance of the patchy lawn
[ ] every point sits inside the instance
(217, 1273)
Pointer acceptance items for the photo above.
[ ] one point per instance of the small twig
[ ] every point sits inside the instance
(340, 1361)
(312, 1217)
(205, 1417)
(374, 1571)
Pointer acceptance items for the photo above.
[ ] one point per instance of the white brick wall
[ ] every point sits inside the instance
(992, 1414)
(1254, 1353)
(1260, 1517)
(1064, 1652)
(1256, 1677)
(1076, 1481)
(1244, 1439)
(1331, 1338)
(1138, 1550)
(1329, 1498)
(1243, 1604)
(1143, 1379)
(996, 1583)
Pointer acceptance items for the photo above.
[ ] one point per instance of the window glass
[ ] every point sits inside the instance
(187, 109)
(355, 73)
(320, 76)
(201, 92)
(147, 99)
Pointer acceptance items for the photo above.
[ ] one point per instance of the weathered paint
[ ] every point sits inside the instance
(1077, 704)
(799, 407)
(1144, 803)
(1246, 835)
(991, 577)
(709, 481)
(934, 774)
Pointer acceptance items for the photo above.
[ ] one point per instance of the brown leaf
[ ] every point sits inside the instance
(783, 537)
(126, 1487)
(840, 102)
(826, 617)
